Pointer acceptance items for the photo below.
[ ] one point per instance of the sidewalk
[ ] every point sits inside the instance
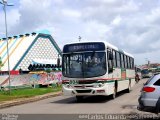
(28, 100)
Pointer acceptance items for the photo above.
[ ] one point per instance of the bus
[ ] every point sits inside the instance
(146, 73)
(96, 68)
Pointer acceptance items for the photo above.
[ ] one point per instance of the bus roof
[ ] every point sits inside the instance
(107, 44)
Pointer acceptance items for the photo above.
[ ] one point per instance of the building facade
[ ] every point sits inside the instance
(27, 49)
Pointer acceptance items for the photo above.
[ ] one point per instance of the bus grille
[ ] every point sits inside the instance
(78, 86)
(87, 81)
(83, 91)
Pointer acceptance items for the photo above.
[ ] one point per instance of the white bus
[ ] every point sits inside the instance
(96, 68)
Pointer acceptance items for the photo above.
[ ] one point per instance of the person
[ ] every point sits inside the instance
(137, 78)
(20, 71)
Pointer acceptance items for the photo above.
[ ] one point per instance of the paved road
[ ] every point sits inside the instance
(124, 103)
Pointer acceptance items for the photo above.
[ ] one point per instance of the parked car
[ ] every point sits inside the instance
(149, 99)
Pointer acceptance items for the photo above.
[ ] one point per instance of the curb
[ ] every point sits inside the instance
(28, 100)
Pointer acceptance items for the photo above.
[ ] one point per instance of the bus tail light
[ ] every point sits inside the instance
(148, 89)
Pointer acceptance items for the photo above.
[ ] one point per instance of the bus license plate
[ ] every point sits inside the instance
(73, 82)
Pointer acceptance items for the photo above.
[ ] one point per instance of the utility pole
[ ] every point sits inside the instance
(4, 3)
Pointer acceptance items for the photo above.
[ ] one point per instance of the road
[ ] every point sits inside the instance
(125, 103)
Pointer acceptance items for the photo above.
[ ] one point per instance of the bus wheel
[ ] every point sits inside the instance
(79, 98)
(114, 93)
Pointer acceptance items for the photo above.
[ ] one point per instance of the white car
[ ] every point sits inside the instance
(149, 99)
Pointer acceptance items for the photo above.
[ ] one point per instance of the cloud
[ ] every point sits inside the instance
(138, 31)
(71, 13)
(105, 11)
(10, 21)
(116, 21)
(132, 25)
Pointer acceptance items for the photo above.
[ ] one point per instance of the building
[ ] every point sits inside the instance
(29, 48)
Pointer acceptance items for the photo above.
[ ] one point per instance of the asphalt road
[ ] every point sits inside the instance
(125, 103)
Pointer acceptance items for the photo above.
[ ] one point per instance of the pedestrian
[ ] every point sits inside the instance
(137, 78)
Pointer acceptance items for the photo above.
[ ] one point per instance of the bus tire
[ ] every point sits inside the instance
(79, 98)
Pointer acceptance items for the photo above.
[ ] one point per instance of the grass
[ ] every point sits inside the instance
(27, 92)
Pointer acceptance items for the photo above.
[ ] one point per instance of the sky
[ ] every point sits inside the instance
(132, 25)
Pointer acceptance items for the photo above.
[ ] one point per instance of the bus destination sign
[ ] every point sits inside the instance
(97, 46)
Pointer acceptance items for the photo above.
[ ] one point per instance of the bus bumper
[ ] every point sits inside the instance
(87, 91)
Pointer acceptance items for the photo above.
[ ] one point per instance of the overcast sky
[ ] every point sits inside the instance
(132, 25)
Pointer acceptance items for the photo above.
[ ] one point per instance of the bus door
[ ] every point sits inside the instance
(123, 68)
(110, 63)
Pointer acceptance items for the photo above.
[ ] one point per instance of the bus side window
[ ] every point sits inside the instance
(129, 63)
(118, 59)
(122, 61)
(125, 61)
(110, 60)
(114, 59)
(132, 63)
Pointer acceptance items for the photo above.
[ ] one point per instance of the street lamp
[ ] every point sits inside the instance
(4, 3)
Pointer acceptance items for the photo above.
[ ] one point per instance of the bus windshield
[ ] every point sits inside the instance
(84, 65)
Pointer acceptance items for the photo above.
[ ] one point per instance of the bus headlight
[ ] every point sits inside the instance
(68, 86)
(99, 85)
